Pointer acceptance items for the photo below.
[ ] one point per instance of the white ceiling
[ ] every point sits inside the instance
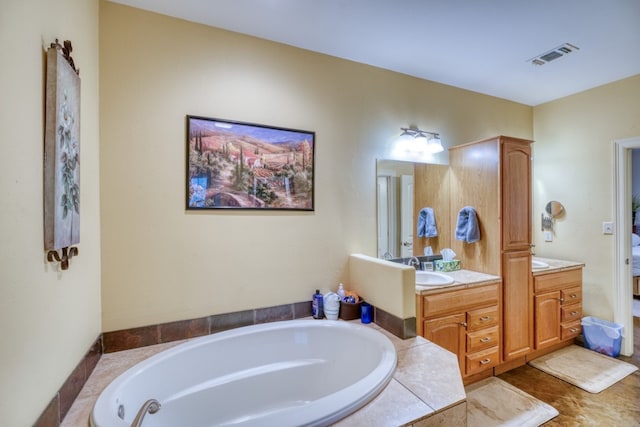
(479, 45)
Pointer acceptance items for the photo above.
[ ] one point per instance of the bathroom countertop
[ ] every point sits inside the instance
(462, 278)
(555, 265)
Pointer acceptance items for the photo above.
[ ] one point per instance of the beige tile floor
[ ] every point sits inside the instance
(618, 405)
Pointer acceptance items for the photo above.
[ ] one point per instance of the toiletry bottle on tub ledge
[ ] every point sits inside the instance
(317, 308)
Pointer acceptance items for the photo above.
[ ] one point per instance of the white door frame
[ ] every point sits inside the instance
(406, 216)
(622, 301)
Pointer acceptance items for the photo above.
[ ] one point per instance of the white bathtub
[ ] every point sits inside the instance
(291, 373)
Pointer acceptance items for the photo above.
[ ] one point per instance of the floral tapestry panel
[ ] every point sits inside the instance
(62, 154)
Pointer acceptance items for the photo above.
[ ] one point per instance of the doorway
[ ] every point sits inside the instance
(622, 281)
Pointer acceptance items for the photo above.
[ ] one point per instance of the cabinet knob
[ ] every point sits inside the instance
(561, 300)
(485, 339)
(485, 361)
(463, 324)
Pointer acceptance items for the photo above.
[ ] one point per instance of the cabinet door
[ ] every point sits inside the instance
(517, 305)
(448, 332)
(516, 195)
(547, 319)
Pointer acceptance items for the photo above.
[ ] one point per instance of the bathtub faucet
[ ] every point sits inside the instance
(151, 406)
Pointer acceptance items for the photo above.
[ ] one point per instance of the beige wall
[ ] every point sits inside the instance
(161, 263)
(49, 318)
(573, 163)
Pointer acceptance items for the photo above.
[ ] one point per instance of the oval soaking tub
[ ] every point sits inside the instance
(289, 373)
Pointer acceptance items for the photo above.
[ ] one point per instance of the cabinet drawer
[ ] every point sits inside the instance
(571, 295)
(482, 339)
(571, 313)
(481, 360)
(459, 300)
(552, 281)
(482, 318)
(570, 330)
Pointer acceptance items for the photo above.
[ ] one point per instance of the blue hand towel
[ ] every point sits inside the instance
(468, 229)
(427, 223)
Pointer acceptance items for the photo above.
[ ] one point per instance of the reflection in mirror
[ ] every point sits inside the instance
(554, 209)
(395, 208)
(403, 189)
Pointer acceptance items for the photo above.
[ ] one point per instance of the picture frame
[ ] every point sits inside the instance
(61, 155)
(239, 165)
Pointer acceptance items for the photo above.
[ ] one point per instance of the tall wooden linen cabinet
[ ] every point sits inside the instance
(494, 177)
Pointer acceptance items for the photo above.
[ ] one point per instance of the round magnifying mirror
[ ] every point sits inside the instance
(554, 209)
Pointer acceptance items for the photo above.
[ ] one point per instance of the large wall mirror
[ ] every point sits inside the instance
(403, 188)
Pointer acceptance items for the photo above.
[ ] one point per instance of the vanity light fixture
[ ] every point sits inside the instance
(417, 140)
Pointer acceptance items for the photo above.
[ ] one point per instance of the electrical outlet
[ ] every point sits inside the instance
(607, 227)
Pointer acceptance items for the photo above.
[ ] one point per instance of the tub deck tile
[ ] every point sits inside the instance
(383, 410)
(108, 368)
(423, 385)
(432, 374)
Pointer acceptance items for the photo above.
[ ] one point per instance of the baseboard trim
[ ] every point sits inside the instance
(59, 406)
(127, 339)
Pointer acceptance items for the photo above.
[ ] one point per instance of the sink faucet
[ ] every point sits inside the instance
(415, 262)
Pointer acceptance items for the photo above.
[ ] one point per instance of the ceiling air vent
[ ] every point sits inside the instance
(553, 54)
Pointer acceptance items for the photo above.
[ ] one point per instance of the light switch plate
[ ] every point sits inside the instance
(607, 227)
(548, 236)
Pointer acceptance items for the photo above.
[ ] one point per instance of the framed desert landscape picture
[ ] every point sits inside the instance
(236, 165)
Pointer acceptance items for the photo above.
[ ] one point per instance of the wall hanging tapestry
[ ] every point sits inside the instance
(62, 155)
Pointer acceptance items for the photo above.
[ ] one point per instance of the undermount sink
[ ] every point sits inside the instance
(538, 265)
(432, 278)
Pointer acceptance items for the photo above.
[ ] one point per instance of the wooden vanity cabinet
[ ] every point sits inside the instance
(494, 177)
(558, 307)
(465, 322)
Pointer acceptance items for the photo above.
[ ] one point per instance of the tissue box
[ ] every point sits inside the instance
(452, 265)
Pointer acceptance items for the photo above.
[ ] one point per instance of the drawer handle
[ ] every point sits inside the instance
(574, 330)
(573, 296)
(485, 318)
(573, 313)
(485, 339)
(485, 361)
